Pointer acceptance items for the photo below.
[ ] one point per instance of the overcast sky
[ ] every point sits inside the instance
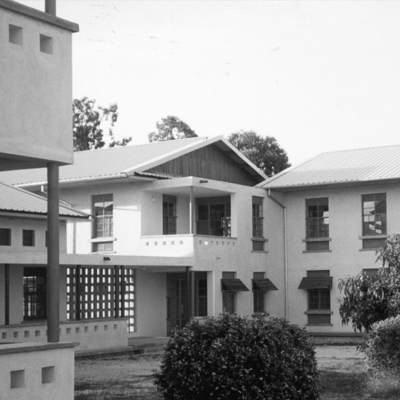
(317, 75)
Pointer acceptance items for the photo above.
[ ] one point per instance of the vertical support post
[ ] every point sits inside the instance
(50, 7)
(122, 312)
(78, 293)
(192, 292)
(191, 208)
(116, 291)
(188, 294)
(7, 294)
(53, 254)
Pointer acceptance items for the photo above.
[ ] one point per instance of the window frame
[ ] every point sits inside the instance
(7, 231)
(229, 298)
(210, 224)
(107, 223)
(258, 295)
(169, 221)
(25, 239)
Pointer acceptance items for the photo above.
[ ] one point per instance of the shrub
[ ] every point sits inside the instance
(232, 357)
(382, 346)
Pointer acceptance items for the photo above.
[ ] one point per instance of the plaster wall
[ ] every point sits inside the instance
(37, 372)
(151, 304)
(39, 86)
(39, 226)
(345, 256)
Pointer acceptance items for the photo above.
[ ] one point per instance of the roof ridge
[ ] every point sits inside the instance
(357, 149)
(141, 144)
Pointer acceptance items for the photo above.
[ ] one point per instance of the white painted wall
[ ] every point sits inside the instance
(151, 304)
(346, 256)
(37, 121)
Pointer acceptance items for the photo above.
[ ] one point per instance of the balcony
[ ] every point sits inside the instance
(184, 245)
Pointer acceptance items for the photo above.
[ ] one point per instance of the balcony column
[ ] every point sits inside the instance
(7, 294)
(53, 255)
(188, 316)
(191, 207)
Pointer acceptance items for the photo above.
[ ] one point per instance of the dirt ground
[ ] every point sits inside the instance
(133, 374)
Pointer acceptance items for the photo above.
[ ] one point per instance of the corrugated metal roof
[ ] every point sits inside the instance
(117, 161)
(360, 165)
(101, 163)
(15, 200)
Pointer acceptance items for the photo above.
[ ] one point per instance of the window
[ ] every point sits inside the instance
(258, 294)
(317, 224)
(169, 215)
(28, 237)
(214, 216)
(258, 219)
(103, 221)
(374, 220)
(5, 237)
(318, 286)
(228, 297)
(35, 293)
(230, 285)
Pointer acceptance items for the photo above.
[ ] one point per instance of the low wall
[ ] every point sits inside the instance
(37, 371)
(90, 334)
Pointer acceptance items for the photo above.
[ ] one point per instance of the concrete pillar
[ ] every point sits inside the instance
(53, 255)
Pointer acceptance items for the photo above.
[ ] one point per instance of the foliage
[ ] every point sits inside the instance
(87, 125)
(369, 300)
(232, 357)
(382, 346)
(171, 128)
(264, 152)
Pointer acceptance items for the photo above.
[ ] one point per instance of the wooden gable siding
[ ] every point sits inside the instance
(209, 163)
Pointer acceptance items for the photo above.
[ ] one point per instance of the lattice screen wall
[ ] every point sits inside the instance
(96, 293)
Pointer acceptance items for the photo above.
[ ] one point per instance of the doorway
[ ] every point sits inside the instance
(178, 302)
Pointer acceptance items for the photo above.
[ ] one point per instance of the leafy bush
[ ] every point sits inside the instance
(382, 346)
(232, 357)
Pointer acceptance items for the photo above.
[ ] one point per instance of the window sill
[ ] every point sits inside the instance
(259, 251)
(319, 324)
(258, 239)
(310, 312)
(103, 239)
(103, 252)
(371, 249)
(319, 239)
(317, 251)
(373, 237)
(260, 314)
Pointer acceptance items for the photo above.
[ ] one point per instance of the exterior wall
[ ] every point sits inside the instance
(151, 304)
(37, 372)
(87, 335)
(345, 257)
(17, 225)
(137, 214)
(38, 83)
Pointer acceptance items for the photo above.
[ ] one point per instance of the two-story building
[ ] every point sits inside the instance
(336, 209)
(179, 229)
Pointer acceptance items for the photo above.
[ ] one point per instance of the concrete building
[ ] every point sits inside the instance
(35, 114)
(179, 230)
(337, 209)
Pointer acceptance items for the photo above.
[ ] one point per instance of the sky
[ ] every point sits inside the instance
(317, 75)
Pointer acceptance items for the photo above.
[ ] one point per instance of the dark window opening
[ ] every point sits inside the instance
(214, 216)
(5, 237)
(28, 237)
(35, 293)
(169, 215)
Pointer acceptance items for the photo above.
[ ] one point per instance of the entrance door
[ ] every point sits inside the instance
(177, 300)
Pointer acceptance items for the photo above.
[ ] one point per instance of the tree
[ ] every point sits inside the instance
(372, 299)
(171, 128)
(87, 125)
(264, 152)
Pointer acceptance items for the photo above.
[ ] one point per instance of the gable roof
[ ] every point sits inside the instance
(119, 162)
(339, 168)
(18, 201)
